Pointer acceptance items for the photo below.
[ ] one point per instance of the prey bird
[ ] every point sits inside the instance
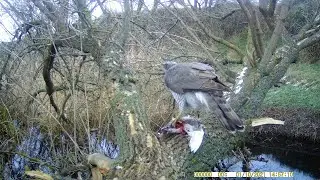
(187, 126)
(196, 86)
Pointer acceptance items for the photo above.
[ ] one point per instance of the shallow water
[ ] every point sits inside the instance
(36, 153)
(305, 166)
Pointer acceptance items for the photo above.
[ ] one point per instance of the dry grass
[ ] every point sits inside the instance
(90, 104)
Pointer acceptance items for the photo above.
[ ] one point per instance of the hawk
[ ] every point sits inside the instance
(196, 86)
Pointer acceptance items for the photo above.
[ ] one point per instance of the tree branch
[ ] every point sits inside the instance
(104, 11)
(217, 66)
(267, 10)
(47, 66)
(308, 41)
(44, 10)
(55, 89)
(310, 28)
(254, 26)
(229, 14)
(272, 45)
(164, 34)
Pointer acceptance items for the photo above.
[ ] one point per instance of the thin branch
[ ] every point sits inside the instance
(143, 28)
(229, 14)
(164, 34)
(104, 11)
(220, 40)
(254, 26)
(55, 89)
(217, 66)
(44, 10)
(310, 28)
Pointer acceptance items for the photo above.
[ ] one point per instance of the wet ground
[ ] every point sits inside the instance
(36, 153)
(298, 156)
(303, 164)
(280, 154)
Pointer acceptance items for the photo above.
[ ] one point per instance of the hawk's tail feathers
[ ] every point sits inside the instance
(226, 115)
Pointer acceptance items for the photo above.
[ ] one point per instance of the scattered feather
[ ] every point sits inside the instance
(266, 120)
(39, 175)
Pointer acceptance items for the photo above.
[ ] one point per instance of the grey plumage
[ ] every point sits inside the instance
(194, 123)
(195, 85)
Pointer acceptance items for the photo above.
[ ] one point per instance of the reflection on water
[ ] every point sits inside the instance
(103, 146)
(32, 146)
(304, 166)
(35, 153)
(272, 165)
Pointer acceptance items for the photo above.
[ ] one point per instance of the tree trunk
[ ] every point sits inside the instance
(257, 84)
(144, 156)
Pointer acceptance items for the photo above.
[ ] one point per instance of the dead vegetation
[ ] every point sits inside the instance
(300, 123)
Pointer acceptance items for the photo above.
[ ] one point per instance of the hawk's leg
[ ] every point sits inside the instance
(175, 119)
(198, 114)
(186, 112)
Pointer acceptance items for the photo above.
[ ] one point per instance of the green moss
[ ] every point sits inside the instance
(239, 40)
(302, 91)
(293, 97)
(307, 72)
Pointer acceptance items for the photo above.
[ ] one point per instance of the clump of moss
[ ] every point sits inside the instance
(307, 72)
(301, 89)
(291, 96)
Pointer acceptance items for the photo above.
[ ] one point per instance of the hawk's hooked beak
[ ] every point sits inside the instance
(196, 138)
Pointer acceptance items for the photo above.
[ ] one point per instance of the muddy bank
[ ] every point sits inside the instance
(293, 147)
(294, 143)
(300, 123)
(294, 159)
(300, 132)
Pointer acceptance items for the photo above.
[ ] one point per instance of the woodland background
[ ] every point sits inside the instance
(72, 73)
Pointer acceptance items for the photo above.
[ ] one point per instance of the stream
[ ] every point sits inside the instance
(304, 164)
(36, 153)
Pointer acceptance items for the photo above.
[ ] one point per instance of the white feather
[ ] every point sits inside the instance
(202, 98)
(195, 140)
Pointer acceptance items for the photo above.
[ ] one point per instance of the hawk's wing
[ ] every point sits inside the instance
(186, 77)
